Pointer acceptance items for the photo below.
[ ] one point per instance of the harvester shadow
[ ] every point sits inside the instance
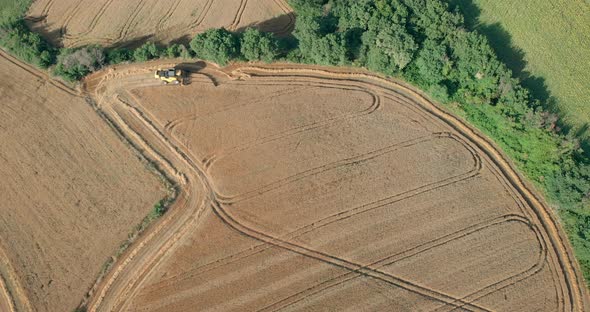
(195, 68)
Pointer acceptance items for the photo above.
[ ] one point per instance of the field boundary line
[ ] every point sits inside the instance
(17, 294)
(38, 74)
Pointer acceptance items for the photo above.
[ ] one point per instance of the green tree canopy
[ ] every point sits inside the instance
(217, 45)
(258, 46)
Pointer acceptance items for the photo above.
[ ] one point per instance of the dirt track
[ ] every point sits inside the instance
(111, 23)
(306, 187)
(71, 192)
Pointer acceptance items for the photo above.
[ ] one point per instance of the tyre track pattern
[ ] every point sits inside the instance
(230, 200)
(209, 160)
(238, 17)
(577, 297)
(338, 280)
(575, 291)
(79, 39)
(229, 220)
(167, 16)
(474, 138)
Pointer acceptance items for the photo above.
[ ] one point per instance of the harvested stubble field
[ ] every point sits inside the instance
(71, 192)
(306, 188)
(111, 23)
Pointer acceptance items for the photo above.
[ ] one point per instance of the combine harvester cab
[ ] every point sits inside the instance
(171, 75)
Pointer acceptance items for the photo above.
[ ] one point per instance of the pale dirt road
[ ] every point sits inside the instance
(250, 204)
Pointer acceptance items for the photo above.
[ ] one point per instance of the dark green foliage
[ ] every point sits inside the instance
(217, 45)
(159, 209)
(119, 55)
(146, 52)
(73, 64)
(258, 46)
(185, 53)
(174, 50)
(433, 64)
(26, 45)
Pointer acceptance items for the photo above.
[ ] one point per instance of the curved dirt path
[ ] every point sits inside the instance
(198, 192)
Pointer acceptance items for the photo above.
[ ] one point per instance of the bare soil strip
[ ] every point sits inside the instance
(321, 190)
(112, 23)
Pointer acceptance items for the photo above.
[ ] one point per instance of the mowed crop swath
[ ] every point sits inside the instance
(71, 192)
(305, 188)
(108, 22)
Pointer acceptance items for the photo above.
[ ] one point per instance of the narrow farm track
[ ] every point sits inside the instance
(159, 141)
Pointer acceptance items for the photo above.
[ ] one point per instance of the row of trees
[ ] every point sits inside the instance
(217, 45)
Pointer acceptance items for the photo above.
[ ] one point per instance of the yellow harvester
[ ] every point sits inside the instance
(171, 75)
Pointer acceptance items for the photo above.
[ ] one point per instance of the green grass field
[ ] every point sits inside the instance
(546, 43)
(13, 9)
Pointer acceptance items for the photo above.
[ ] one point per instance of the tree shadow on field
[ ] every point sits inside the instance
(53, 36)
(281, 25)
(501, 42)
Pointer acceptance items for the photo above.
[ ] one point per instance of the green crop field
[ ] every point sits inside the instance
(546, 43)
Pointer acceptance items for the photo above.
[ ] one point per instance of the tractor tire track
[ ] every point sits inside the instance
(68, 18)
(545, 218)
(238, 17)
(77, 38)
(302, 250)
(338, 280)
(293, 131)
(577, 295)
(167, 16)
(197, 22)
(229, 220)
(230, 200)
(288, 28)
